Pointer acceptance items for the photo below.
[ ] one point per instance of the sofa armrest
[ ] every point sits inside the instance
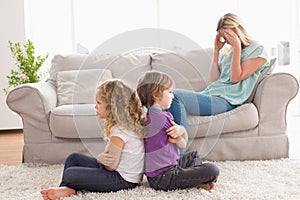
(272, 97)
(33, 102)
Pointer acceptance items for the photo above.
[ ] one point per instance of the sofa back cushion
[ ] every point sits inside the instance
(64, 63)
(189, 70)
(127, 67)
(79, 86)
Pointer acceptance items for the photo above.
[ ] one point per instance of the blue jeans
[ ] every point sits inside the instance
(194, 103)
(85, 173)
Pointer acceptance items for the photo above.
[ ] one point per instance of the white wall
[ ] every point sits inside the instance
(12, 27)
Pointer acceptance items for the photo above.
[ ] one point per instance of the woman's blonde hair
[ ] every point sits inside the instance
(123, 107)
(151, 83)
(232, 21)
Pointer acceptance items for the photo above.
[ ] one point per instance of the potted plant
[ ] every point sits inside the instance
(28, 65)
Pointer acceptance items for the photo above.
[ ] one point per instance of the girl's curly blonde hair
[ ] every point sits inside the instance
(123, 107)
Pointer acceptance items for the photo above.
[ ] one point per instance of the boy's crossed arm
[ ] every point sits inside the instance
(178, 135)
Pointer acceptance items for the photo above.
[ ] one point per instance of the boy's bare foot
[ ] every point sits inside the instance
(57, 193)
(207, 186)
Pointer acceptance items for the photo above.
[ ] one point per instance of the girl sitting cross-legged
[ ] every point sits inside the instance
(121, 165)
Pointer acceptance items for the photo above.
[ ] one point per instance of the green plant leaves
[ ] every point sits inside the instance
(28, 65)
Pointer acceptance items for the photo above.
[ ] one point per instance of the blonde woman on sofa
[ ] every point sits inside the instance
(233, 74)
(121, 165)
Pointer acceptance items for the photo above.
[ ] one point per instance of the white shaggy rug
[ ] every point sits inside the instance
(273, 179)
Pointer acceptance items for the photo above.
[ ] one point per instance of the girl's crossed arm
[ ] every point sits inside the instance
(110, 158)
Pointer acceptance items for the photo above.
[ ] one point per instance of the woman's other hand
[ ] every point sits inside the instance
(219, 41)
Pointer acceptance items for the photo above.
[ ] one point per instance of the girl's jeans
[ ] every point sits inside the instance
(85, 173)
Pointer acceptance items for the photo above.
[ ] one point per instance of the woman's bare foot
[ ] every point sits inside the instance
(57, 193)
(207, 186)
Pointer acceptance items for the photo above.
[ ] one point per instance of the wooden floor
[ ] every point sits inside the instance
(11, 146)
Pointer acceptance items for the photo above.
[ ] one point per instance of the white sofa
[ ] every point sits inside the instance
(59, 117)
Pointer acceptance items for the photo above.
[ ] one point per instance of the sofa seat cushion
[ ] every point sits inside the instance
(76, 121)
(242, 118)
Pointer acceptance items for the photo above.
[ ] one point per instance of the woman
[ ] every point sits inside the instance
(233, 74)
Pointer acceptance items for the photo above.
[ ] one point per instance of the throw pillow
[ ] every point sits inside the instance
(79, 86)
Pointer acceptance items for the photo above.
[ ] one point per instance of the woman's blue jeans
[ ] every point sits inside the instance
(83, 173)
(194, 103)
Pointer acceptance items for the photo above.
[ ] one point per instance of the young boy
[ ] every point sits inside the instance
(164, 168)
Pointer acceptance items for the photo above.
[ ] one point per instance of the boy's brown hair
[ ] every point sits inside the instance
(153, 83)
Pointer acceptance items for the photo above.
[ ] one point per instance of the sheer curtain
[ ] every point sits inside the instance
(48, 26)
(97, 21)
(80, 26)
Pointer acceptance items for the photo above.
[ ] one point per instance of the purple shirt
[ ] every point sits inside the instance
(159, 152)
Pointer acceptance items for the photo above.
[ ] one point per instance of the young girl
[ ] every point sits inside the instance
(164, 168)
(121, 165)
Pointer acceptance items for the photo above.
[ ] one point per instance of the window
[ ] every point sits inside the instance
(97, 21)
(193, 18)
(81, 25)
(48, 25)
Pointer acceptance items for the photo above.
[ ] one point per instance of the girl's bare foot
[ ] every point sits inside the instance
(207, 186)
(57, 193)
